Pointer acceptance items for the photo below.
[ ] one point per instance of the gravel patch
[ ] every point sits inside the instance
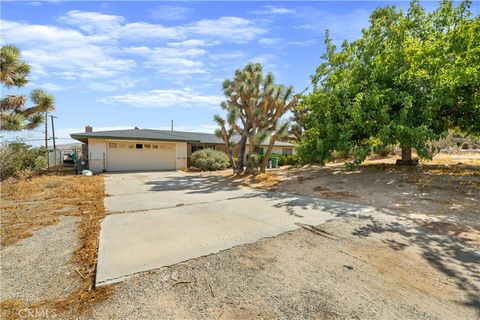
(38, 267)
(304, 274)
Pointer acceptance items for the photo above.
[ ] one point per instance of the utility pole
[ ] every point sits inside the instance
(54, 145)
(46, 139)
(172, 125)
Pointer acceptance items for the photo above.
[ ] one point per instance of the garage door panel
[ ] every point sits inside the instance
(123, 156)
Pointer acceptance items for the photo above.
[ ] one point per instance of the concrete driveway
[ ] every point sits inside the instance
(162, 218)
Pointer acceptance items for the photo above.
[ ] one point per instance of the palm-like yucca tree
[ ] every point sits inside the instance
(13, 114)
(254, 105)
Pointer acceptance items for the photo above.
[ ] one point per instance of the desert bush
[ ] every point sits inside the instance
(253, 162)
(18, 158)
(209, 159)
(291, 160)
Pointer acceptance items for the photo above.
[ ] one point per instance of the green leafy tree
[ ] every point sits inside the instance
(255, 105)
(13, 114)
(398, 84)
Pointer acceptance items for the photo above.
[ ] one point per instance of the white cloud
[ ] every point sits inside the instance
(166, 98)
(113, 85)
(232, 55)
(194, 43)
(179, 61)
(92, 22)
(113, 26)
(167, 12)
(230, 28)
(268, 61)
(270, 41)
(263, 58)
(64, 50)
(302, 43)
(48, 86)
(88, 45)
(144, 30)
(274, 10)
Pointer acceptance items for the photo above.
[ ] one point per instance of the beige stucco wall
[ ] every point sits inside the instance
(97, 153)
(181, 155)
(275, 150)
(278, 150)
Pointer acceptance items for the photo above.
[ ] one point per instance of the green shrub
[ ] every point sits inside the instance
(292, 160)
(16, 158)
(286, 160)
(253, 162)
(209, 159)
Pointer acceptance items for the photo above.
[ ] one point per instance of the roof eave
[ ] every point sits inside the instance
(84, 138)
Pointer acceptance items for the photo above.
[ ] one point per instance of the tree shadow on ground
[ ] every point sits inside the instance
(193, 184)
(457, 258)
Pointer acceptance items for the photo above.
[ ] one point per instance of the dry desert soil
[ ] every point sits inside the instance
(416, 259)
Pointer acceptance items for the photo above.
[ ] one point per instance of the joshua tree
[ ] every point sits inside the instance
(226, 135)
(299, 114)
(13, 114)
(254, 105)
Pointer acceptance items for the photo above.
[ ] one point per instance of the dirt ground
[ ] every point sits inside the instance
(418, 259)
(49, 243)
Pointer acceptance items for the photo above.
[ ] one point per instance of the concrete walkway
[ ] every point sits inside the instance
(162, 218)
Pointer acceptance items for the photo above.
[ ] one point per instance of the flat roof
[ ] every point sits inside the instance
(161, 135)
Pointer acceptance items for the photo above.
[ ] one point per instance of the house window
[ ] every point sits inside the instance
(287, 151)
(155, 146)
(147, 145)
(139, 146)
(130, 145)
(121, 145)
(112, 145)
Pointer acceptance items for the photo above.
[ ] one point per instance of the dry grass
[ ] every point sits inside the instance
(266, 180)
(465, 158)
(31, 204)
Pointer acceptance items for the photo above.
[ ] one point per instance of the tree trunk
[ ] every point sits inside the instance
(230, 158)
(267, 155)
(241, 153)
(406, 154)
(406, 157)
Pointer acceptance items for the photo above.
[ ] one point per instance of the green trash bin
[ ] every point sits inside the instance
(274, 162)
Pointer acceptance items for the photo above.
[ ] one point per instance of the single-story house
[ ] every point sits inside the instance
(147, 149)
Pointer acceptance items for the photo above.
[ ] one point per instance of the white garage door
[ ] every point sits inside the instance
(132, 156)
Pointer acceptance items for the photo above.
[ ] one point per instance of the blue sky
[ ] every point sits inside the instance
(123, 64)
